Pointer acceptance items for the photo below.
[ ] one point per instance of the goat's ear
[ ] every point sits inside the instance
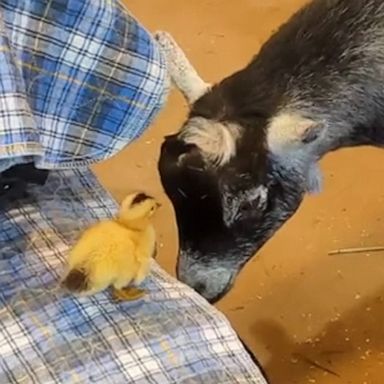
(176, 152)
(192, 156)
(288, 130)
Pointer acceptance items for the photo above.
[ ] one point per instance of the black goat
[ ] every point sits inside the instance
(247, 154)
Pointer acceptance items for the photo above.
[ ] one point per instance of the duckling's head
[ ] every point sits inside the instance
(137, 206)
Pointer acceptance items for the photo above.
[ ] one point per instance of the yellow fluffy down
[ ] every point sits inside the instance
(110, 254)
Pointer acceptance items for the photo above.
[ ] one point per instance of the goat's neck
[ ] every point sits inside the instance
(304, 160)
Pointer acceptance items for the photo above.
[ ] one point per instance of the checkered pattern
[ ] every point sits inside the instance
(79, 80)
(171, 336)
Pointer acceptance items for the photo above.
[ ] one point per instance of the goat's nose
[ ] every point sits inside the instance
(210, 284)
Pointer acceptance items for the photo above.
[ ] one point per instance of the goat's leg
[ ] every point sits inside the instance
(183, 75)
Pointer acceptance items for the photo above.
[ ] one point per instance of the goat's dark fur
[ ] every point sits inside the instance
(322, 71)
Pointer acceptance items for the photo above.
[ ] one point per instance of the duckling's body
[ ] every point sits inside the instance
(114, 252)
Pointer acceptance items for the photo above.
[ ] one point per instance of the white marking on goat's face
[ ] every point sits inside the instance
(243, 203)
(180, 159)
(289, 130)
(216, 140)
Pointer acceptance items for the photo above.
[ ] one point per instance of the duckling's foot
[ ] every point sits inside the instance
(128, 294)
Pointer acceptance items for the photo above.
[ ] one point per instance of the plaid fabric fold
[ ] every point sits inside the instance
(79, 80)
(172, 336)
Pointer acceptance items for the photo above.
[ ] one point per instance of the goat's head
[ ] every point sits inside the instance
(226, 179)
(230, 195)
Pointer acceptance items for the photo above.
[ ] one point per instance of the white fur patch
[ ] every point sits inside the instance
(183, 74)
(232, 204)
(287, 129)
(217, 141)
(261, 193)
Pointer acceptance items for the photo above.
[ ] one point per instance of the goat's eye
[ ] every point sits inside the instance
(250, 205)
(245, 207)
(252, 208)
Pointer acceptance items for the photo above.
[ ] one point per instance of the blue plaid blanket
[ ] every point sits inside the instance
(79, 80)
(171, 336)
